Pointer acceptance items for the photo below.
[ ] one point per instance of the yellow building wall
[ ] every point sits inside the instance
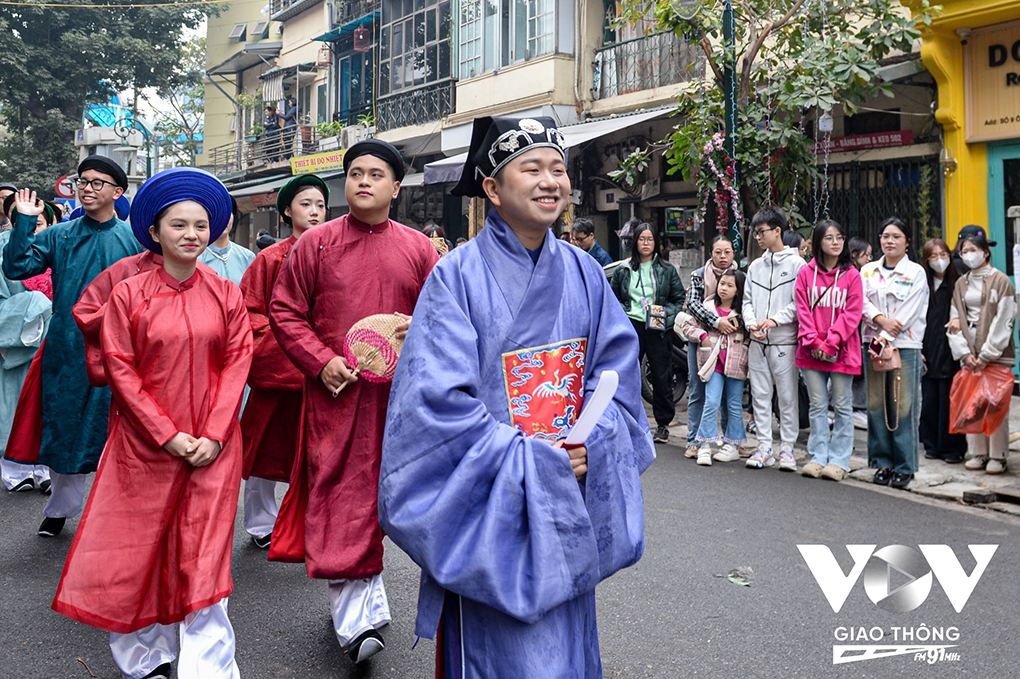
(219, 110)
(543, 80)
(966, 189)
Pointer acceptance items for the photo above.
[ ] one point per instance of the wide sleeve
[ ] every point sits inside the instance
(226, 404)
(290, 310)
(487, 512)
(146, 416)
(88, 314)
(23, 318)
(807, 333)
(28, 254)
(1000, 333)
(845, 325)
(270, 367)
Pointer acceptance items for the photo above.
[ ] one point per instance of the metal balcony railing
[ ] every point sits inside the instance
(261, 151)
(645, 63)
(415, 107)
(346, 11)
(281, 10)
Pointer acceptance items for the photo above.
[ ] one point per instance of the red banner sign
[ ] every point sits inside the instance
(858, 142)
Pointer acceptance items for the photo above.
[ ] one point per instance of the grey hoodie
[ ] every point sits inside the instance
(769, 294)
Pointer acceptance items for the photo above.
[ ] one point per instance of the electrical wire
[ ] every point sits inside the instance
(126, 5)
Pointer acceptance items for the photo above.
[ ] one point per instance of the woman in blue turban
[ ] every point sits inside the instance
(154, 545)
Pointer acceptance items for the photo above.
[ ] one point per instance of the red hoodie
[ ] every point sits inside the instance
(830, 305)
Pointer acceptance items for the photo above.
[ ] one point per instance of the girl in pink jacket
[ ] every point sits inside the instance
(830, 302)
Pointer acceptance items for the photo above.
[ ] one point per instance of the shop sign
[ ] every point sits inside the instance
(991, 60)
(857, 142)
(264, 199)
(329, 161)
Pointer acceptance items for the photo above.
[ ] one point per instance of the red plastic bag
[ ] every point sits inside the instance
(979, 401)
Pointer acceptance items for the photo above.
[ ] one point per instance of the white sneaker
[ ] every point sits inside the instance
(787, 463)
(728, 453)
(860, 420)
(762, 458)
(705, 456)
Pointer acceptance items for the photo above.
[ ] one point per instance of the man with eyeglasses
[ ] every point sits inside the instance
(770, 313)
(582, 234)
(75, 414)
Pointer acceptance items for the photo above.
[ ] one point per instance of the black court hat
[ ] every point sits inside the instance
(495, 141)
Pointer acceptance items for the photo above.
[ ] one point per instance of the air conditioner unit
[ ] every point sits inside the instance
(605, 199)
(238, 33)
(261, 30)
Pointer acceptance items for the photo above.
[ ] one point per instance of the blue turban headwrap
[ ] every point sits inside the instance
(122, 206)
(173, 186)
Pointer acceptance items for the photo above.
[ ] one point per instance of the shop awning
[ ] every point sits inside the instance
(251, 55)
(348, 28)
(449, 169)
(272, 80)
(263, 194)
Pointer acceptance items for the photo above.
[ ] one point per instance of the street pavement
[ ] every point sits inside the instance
(674, 614)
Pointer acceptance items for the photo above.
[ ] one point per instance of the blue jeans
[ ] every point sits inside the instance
(696, 396)
(827, 447)
(894, 414)
(726, 394)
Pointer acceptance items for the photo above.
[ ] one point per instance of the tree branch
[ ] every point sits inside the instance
(744, 91)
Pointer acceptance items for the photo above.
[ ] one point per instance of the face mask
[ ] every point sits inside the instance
(973, 259)
(939, 266)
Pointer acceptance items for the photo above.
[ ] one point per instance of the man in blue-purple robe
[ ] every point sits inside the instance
(510, 333)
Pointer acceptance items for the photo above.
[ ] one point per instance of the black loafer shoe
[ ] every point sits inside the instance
(27, 484)
(161, 672)
(953, 460)
(900, 480)
(51, 527)
(883, 476)
(365, 646)
(931, 455)
(262, 542)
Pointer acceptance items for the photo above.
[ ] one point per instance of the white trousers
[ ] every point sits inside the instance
(768, 366)
(260, 506)
(207, 647)
(357, 606)
(12, 473)
(995, 446)
(67, 495)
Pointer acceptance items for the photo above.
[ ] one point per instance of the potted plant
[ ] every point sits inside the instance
(254, 133)
(328, 135)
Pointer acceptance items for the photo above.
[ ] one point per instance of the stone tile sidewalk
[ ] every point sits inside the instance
(934, 478)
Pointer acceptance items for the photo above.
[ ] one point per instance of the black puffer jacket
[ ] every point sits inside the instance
(669, 289)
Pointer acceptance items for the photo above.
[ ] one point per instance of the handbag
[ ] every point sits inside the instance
(886, 361)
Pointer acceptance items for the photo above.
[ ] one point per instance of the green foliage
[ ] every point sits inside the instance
(331, 129)
(794, 59)
(55, 59)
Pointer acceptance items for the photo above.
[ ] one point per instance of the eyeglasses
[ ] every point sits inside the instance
(838, 238)
(760, 233)
(646, 241)
(892, 236)
(96, 184)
